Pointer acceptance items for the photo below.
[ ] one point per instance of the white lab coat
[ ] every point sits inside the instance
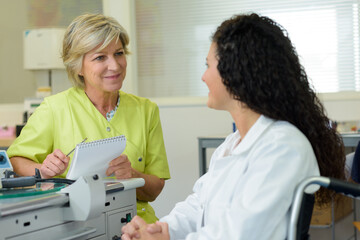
(247, 192)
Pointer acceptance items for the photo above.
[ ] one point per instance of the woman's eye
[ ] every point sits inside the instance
(120, 53)
(99, 58)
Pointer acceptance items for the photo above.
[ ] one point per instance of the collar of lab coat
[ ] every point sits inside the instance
(258, 129)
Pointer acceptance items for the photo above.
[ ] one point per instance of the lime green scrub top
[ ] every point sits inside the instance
(65, 119)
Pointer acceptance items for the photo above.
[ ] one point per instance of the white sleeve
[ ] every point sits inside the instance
(185, 216)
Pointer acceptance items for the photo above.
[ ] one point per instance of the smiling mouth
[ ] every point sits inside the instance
(113, 76)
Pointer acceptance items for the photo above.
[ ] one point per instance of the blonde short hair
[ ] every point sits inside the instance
(83, 34)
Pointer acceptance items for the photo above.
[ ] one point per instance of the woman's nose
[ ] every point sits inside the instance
(113, 64)
(202, 77)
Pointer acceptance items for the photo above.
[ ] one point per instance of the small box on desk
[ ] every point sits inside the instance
(322, 215)
(7, 131)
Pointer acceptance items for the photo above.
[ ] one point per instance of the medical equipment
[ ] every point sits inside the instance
(90, 208)
(42, 48)
(30, 104)
(42, 55)
(5, 164)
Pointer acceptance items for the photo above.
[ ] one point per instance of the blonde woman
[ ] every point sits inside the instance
(94, 53)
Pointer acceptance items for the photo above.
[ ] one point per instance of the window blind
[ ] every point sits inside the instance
(173, 38)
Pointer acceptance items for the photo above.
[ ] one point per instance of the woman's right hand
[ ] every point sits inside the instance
(54, 165)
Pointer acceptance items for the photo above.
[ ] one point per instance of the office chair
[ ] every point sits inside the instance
(339, 186)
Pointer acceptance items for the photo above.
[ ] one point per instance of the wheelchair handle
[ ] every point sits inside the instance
(339, 186)
(347, 188)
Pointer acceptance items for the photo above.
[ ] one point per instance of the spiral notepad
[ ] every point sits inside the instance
(94, 157)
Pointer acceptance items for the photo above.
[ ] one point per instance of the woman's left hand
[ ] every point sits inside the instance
(120, 167)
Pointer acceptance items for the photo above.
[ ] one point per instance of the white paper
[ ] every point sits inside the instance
(94, 157)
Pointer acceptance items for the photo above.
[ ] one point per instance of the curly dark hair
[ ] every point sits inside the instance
(260, 67)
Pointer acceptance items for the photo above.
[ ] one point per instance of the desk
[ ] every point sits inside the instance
(204, 143)
(349, 139)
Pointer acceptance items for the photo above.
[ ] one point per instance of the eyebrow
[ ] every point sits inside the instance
(101, 52)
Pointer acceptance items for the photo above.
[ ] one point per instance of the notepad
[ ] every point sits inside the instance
(94, 157)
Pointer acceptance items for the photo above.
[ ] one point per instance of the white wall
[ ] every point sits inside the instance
(11, 114)
(182, 125)
(342, 106)
(15, 82)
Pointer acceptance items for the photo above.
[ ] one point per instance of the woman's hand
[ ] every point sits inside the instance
(120, 167)
(139, 229)
(54, 164)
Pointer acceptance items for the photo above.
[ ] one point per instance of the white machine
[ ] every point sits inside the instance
(87, 209)
(42, 48)
(30, 104)
(42, 56)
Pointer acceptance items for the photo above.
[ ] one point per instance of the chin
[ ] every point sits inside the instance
(214, 106)
(116, 88)
(210, 105)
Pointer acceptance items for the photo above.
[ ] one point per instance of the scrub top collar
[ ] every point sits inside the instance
(90, 105)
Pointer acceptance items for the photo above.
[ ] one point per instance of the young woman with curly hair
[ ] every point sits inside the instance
(283, 136)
